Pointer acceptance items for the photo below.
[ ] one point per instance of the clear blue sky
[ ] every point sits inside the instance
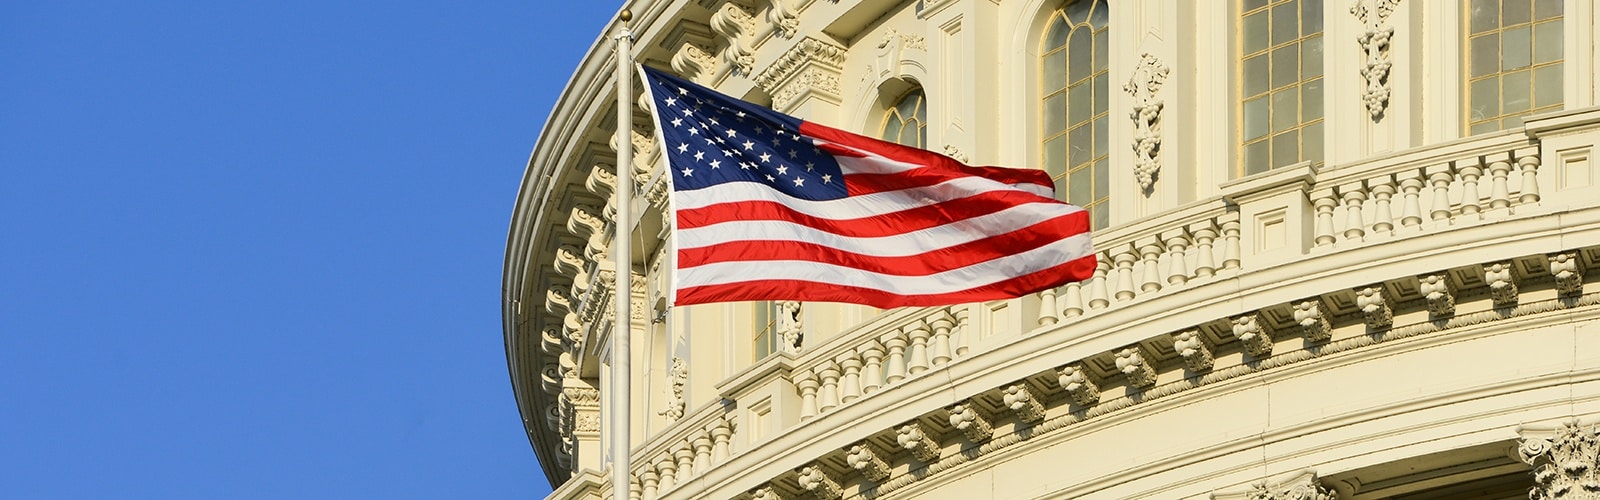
(253, 249)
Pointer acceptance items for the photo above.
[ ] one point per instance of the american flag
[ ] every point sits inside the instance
(770, 207)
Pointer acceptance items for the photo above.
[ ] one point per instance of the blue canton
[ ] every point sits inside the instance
(712, 139)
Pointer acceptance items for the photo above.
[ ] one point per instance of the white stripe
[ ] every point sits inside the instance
(950, 234)
(955, 280)
(853, 207)
(878, 164)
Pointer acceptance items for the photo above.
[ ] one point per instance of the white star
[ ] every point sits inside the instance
(775, 139)
(716, 164)
(732, 132)
(792, 153)
(727, 153)
(827, 178)
(714, 121)
(799, 181)
(710, 142)
(699, 155)
(677, 122)
(809, 166)
(739, 114)
(783, 170)
(694, 131)
(745, 166)
(770, 178)
(688, 172)
(766, 157)
(683, 91)
(683, 148)
(688, 112)
(749, 145)
(672, 101)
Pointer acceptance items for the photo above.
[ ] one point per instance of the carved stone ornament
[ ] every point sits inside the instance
(810, 67)
(1019, 398)
(919, 441)
(1148, 76)
(1565, 268)
(971, 421)
(1192, 347)
(735, 25)
(1374, 40)
(954, 152)
(1131, 363)
(863, 458)
(767, 492)
(789, 326)
(679, 377)
(1502, 280)
(1255, 338)
(1078, 384)
(783, 18)
(815, 479)
(1374, 304)
(1301, 485)
(1436, 290)
(694, 62)
(1566, 461)
(1313, 323)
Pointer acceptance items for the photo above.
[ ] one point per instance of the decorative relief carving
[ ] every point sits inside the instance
(1374, 40)
(1248, 329)
(811, 66)
(790, 326)
(1566, 461)
(784, 20)
(735, 24)
(585, 222)
(1502, 280)
(1436, 289)
(694, 62)
(862, 457)
(1373, 301)
(1130, 362)
(954, 152)
(679, 377)
(1019, 398)
(1078, 383)
(1191, 345)
(767, 492)
(815, 479)
(1148, 76)
(586, 422)
(1313, 323)
(1565, 268)
(971, 421)
(914, 438)
(1303, 485)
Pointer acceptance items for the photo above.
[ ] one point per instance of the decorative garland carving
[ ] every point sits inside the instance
(679, 376)
(1567, 462)
(790, 326)
(1374, 42)
(1148, 76)
(810, 66)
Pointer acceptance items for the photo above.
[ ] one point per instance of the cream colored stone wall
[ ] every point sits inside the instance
(1278, 328)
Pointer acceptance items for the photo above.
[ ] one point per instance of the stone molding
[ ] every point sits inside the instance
(809, 68)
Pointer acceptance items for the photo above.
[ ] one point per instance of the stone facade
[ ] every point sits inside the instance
(1412, 314)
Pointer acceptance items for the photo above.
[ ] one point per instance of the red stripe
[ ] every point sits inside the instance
(1067, 272)
(888, 224)
(936, 163)
(935, 261)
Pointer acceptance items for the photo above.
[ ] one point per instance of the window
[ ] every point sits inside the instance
(907, 122)
(1280, 94)
(766, 339)
(1513, 61)
(1073, 98)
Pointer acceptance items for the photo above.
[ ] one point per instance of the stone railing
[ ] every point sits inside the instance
(882, 353)
(697, 443)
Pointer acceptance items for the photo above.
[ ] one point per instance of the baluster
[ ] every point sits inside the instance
(1150, 250)
(807, 382)
(702, 452)
(852, 376)
(685, 463)
(872, 375)
(1411, 206)
(1230, 241)
(1354, 224)
(1440, 176)
(648, 480)
(635, 490)
(828, 373)
(942, 321)
(1382, 214)
(1205, 232)
(1499, 188)
(896, 341)
(1047, 307)
(1177, 241)
(1324, 202)
(918, 331)
(721, 436)
(1072, 301)
(963, 331)
(1471, 200)
(668, 471)
(1528, 164)
(1098, 295)
(1125, 257)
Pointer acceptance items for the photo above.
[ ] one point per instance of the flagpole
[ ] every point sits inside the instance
(621, 463)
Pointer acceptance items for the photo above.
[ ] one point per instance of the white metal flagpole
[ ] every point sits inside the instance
(623, 255)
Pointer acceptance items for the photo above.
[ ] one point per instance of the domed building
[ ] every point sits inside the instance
(1347, 249)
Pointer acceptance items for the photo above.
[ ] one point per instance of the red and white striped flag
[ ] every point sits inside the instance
(770, 207)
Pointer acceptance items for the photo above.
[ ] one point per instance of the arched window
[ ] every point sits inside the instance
(907, 122)
(1513, 62)
(1074, 99)
(1280, 94)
